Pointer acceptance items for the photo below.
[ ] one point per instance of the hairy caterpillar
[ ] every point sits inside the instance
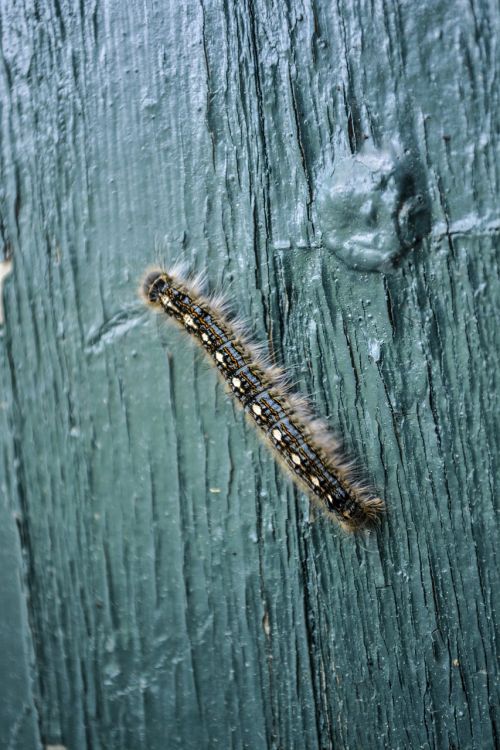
(302, 443)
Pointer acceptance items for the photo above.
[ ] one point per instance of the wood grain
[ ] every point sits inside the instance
(177, 592)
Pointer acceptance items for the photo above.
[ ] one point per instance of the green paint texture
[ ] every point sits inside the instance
(164, 585)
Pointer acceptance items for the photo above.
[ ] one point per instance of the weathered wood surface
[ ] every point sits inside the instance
(163, 584)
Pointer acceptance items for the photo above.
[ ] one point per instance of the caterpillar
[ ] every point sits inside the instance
(301, 443)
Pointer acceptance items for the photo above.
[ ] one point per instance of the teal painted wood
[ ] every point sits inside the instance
(178, 592)
(18, 716)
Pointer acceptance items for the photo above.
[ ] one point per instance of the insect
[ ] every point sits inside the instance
(302, 444)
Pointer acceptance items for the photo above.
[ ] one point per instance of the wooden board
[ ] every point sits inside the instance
(164, 585)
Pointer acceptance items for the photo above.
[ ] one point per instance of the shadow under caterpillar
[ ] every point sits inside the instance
(301, 443)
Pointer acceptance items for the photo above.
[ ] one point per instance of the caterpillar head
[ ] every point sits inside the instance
(155, 284)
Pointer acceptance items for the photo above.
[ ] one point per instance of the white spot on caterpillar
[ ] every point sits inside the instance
(204, 337)
(277, 435)
(219, 357)
(237, 382)
(296, 459)
(315, 480)
(189, 321)
(165, 299)
(256, 409)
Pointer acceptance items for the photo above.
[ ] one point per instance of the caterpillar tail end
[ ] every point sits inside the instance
(368, 516)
